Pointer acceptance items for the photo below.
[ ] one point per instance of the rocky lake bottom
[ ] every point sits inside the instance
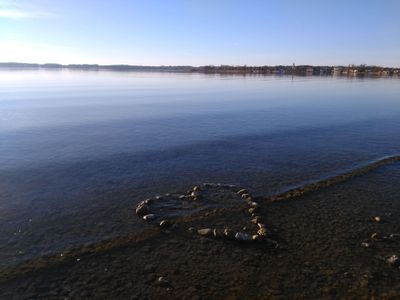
(338, 241)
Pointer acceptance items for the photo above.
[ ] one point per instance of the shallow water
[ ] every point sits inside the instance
(79, 149)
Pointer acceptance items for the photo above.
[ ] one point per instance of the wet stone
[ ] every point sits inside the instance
(205, 232)
(165, 224)
(142, 210)
(149, 217)
(242, 191)
(393, 260)
(242, 237)
(229, 234)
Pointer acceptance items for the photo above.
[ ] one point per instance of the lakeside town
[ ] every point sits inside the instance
(308, 70)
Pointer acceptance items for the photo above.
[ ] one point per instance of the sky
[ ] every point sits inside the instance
(201, 32)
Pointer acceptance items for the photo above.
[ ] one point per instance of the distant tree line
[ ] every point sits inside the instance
(351, 70)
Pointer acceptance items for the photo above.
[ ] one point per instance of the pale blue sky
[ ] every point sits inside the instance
(199, 32)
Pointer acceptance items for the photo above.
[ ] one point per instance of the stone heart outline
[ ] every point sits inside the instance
(261, 234)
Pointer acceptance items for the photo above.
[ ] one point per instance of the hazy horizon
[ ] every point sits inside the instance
(200, 32)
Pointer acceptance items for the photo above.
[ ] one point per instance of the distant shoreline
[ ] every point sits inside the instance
(351, 70)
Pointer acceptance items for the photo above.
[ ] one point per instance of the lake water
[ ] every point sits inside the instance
(78, 149)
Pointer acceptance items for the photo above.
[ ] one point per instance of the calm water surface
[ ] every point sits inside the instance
(79, 149)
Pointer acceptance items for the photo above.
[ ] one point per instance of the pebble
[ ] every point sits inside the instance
(192, 229)
(162, 281)
(149, 217)
(254, 204)
(165, 223)
(256, 237)
(217, 233)
(257, 220)
(374, 236)
(253, 210)
(142, 209)
(393, 260)
(242, 237)
(229, 234)
(377, 219)
(205, 231)
(365, 244)
(262, 231)
(242, 191)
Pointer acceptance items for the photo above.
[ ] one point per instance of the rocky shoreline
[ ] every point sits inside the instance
(336, 242)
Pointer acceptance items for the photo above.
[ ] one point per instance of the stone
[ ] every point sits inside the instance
(205, 232)
(162, 281)
(149, 217)
(242, 191)
(365, 244)
(148, 201)
(254, 204)
(257, 220)
(182, 197)
(196, 189)
(158, 197)
(229, 234)
(242, 237)
(167, 195)
(192, 229)
(254, 210)
(262, 231)
(165, 224)
(245, 195)
(377, 219)
(393, 260)
(257, 238)
(217, 233)
(374, 236)
(142, 209)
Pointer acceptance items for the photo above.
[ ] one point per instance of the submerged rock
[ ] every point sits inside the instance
(205, 232)
(242, 237)
(242, 191)
(229, 234)
(165, 224)
(393, 260)
(149, 217)
(142, 209)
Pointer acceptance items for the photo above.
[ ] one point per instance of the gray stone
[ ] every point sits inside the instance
(196, 189)
(242, 237)
(205, 232)
(242, 191)
(393, 260)
(245, 195)
(165, 224)
(229, 234)
(142, 209)
(149, 217)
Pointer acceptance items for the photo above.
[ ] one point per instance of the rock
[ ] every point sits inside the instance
(365, 244)
(162, 281)
(229, 234)
(242, 237)
(257, 220)
(196, 189)
(217, 233)
(242, 191)
(245, 195)
(205, 232)
(165, 224)
(158, 197)
(377, 219)
(192, 229)
(148, 201)
(257, 238)
(254, 210)
(374, 236)
(254, 204)
(167, 195)
(182, 197)
(142, 209)
(393, 260)
(262, 231)
(149, 217)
